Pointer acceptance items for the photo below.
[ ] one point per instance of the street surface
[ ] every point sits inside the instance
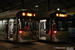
(41, 45)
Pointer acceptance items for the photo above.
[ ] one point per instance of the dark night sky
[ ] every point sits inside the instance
(6, 5)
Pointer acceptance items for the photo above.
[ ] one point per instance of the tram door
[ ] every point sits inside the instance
(42, 27)
(10, 32)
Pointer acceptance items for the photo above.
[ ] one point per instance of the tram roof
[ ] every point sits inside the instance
(11, 13)
(45, 14)
(71, 17)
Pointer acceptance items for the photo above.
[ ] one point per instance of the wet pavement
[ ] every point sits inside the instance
(41, 45)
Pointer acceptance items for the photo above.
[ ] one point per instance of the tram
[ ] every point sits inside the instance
(17, 25)
(52, 26)
(71, 26)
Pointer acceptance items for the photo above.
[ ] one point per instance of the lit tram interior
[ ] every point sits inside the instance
(42, 34)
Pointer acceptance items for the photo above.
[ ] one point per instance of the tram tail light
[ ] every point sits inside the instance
(55, 31)
(20, 32)
(36, 31)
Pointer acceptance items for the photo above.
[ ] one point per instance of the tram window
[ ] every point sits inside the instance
(47, 26)
(31, 25)
(36, 25)
(42, 25)
(27, 26)
(62, 25)
(54, 26)
(15, 26)
(3, 24)
(71, 23)
(1, 27)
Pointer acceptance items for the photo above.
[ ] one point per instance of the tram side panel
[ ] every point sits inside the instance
(15, 35)
(71, 28)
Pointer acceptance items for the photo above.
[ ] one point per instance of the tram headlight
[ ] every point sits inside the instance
(23, 14)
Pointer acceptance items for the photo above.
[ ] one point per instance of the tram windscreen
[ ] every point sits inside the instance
(26, 25)
(62, 25)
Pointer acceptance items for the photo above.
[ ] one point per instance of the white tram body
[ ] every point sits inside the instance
(15, 25)
(52, 26)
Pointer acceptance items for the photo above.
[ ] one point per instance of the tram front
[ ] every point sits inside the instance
(59, 26)
(26, 25)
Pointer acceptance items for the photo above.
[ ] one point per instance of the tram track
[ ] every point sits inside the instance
(17, 46)
(3, 48)
(33, 45)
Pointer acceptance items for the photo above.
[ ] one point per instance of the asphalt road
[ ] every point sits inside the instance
(41, 45)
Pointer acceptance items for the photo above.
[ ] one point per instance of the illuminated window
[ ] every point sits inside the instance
(34, 14)
(58, 9)
(29, 14)
(12, 20)
(36, 5)
(57, 14)
(61, 15)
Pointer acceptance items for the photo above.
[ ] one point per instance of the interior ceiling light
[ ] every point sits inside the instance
(58, 9)
(36, 5)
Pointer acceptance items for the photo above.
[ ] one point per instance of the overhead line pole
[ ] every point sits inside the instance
(22, 1)
(48, 9)
(48, 5)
